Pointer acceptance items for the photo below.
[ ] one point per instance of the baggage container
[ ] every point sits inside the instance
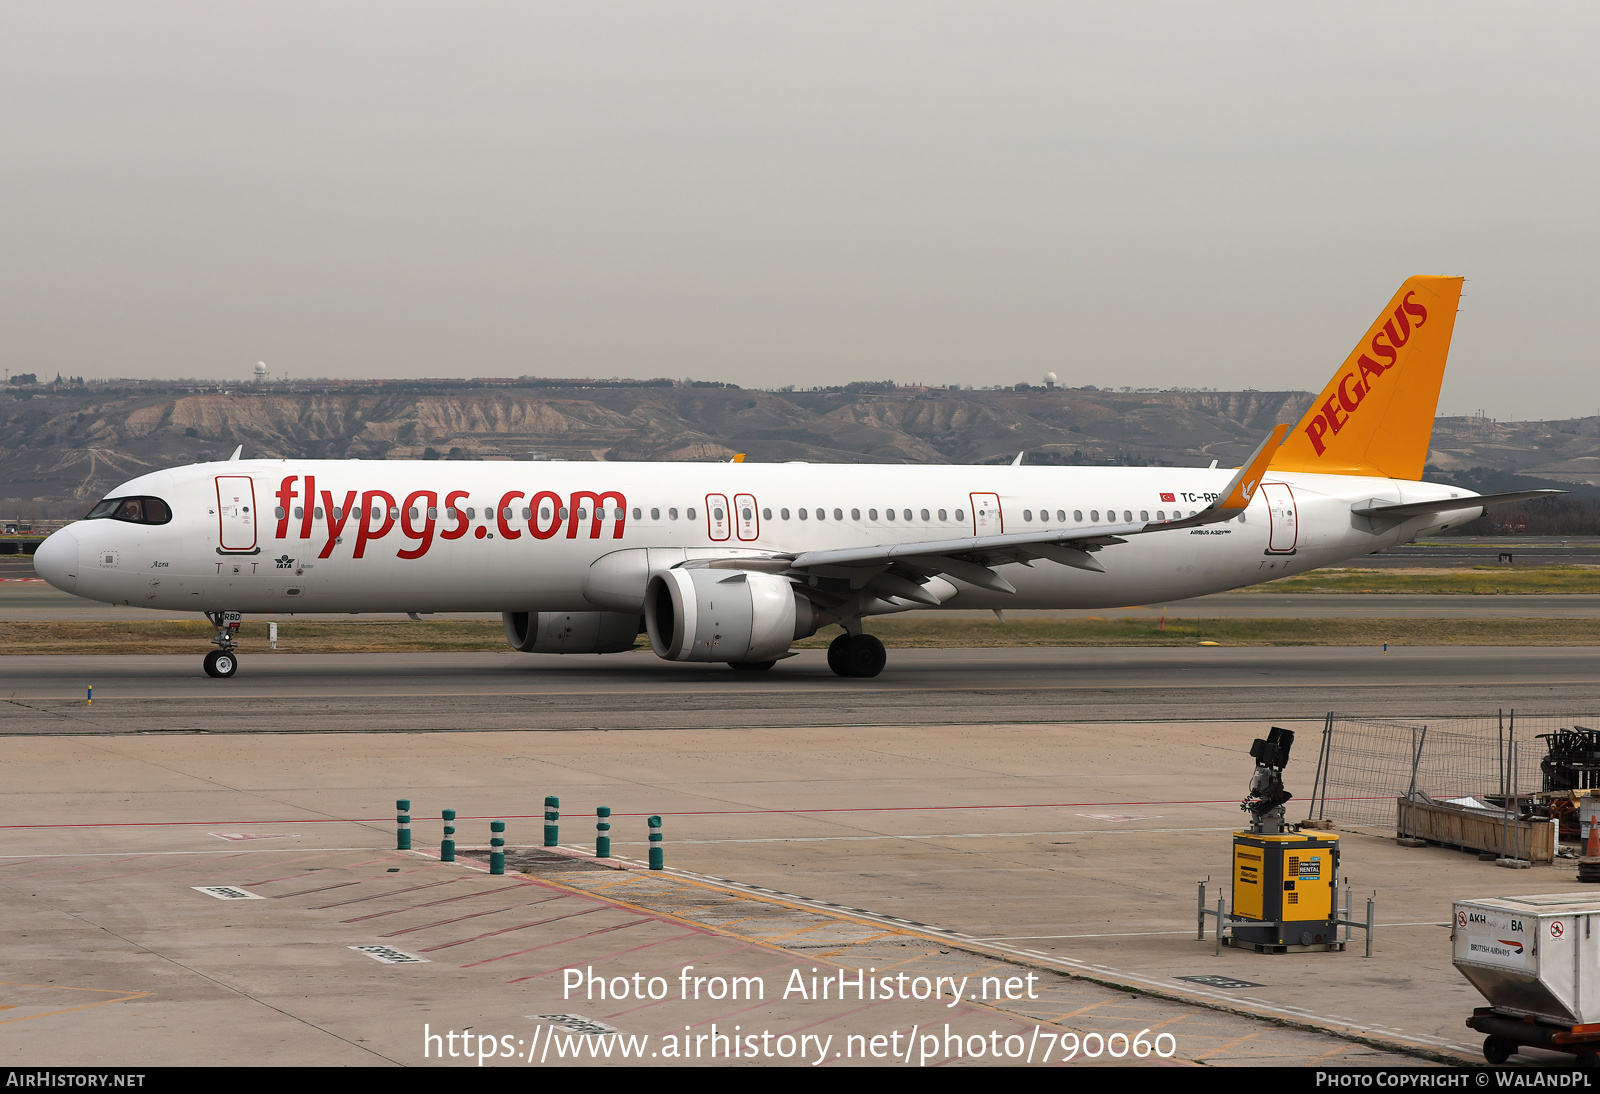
(1533, 957)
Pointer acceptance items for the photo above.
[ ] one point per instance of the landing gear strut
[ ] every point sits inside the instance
(858, 655)
(223, 662)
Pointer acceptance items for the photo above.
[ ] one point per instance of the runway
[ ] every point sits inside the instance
(383, 693)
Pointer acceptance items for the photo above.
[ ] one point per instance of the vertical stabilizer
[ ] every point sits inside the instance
(1375, 417)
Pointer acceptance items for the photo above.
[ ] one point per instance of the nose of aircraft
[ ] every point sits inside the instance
(56, 560)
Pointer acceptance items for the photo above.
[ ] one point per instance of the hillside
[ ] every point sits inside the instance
(63, 446)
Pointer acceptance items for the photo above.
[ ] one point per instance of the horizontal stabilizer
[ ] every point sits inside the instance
(1445, 505)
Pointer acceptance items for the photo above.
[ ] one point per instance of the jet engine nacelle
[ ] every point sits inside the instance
(706, 614)
(571, 632)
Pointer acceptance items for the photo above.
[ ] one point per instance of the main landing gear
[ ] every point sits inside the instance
(223, 662)
(858, 655)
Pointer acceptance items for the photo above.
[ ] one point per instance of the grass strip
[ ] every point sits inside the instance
(902, 633)
(1479, 580)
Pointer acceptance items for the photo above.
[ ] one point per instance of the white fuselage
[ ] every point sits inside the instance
(245, 536)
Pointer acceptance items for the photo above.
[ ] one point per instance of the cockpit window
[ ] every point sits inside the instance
(132, 510)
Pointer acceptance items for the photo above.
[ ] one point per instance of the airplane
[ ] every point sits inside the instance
(735, 562)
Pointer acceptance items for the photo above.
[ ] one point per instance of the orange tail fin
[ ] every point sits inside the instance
(1375, 417)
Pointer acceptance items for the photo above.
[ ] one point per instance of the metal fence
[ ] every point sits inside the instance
(1365, 764)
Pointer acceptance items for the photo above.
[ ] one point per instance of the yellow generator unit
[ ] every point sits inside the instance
(1284, 896)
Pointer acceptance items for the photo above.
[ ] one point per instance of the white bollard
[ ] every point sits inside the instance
(272, 636)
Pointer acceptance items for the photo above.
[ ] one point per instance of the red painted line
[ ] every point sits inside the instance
(427, 904)
(469, 915)
(308, 858)
(318, 889)
(518, 927)
(157, 870)
(693, 813)
(391, 892)
(84, 866)
(577, 938)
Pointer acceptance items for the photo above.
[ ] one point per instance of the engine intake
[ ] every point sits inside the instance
(571, 632)
(706, 614)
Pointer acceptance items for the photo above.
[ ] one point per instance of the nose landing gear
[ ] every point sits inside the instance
(223, 662)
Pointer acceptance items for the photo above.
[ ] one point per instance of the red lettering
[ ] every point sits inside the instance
(1370, 369)
(365, 530)
(311, 505)
(1330, 412)
(336, 518)
(462, 523)
(500, 516)
(286, 494)
(1398, 339)
(1384, 351)
(599, 513)
(1416, 310)
(1344, 396)
(425, 534)
(1315, 430)
(537, 502)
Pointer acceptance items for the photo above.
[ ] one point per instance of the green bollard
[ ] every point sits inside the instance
(552, 814)
(497, 847)
(602, 826)
(447, 849)
(403, 819)
(658, 854)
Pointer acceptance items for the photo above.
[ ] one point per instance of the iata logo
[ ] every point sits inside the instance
(1354, 387)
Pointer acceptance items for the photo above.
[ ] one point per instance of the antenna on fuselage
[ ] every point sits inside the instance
(237, 452)
(1018, 461)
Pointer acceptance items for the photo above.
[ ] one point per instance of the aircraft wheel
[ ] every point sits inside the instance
(857, 655)
(221, 664)
(751, 666)
(1497, 1050)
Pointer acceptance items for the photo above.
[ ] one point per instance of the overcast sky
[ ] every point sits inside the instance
(1217, 195)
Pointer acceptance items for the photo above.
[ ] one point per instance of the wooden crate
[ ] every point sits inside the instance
(1471, 830)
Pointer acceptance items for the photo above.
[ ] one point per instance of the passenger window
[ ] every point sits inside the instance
(672, 514)
(1061, 516)
(413, 513)
(872, 514)
(716, 513)
(561, 512)
(924, 516)
(689, 513)
(822, 514)
(1242, 518)
(766, 514)
(1027, 515)
(299, 512)
(637, 512)
(1127, 516)
(278, 512)
(583, 514)
(1094, 515)
(338, 512)
(1144, 515)
(655, 514)
(960, 517)
(838, 514)
(317, 512)
(855, 514)
(888, 514)
(784, 513)
(906, 513)
(1161, 514)
(803, 514)
(433, 512)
